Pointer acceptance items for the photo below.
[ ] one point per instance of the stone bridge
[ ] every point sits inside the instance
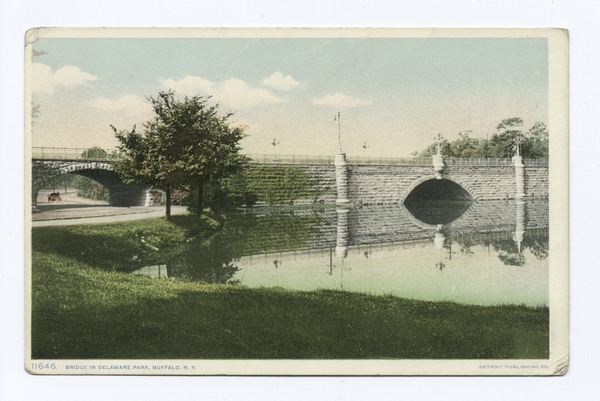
(339, 180)
(381, 181)
(101, 171)
(343, 227)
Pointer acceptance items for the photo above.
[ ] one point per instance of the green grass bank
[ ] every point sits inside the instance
(85, 307)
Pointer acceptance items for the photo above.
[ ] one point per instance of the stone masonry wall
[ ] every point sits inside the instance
(485, 183)
(394, 223)
(367, 184)
(537, 181)
(291, 184)
(377, 185)
(381, 185)
(323, 180)
(392, 184)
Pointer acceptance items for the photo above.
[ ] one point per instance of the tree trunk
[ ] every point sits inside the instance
(168, 203)
(200, 199)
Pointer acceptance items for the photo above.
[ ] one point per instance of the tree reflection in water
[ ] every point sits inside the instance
(508, 245)
(536, 241)
(213, 260)
(216, 259)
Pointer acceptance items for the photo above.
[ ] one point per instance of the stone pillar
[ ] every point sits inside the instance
(519, 176)
(341, 177)
(148, 201)
(126, 195)
(520, 224)
(438, 165)
(439, 238)
(341, 240)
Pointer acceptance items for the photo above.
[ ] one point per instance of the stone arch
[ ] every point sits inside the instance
(411, 187)
(70, 168)
(428, 226)
(120, 194)
(415, 221)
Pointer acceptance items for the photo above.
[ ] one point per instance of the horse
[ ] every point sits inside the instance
(54, 197)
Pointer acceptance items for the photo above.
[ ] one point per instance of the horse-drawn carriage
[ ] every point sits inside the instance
(54, 197)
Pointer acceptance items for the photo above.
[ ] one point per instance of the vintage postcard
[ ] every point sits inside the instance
(297, 201)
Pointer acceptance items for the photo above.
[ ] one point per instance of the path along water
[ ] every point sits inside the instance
(73, 209)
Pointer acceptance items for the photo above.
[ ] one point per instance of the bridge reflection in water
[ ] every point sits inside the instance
(495, 252)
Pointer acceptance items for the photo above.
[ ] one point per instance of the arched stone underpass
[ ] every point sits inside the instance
(438, 201)
(433, 189)
(120, 194)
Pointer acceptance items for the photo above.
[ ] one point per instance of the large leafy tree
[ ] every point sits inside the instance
(94, 153)
(537, 140)
(502, 144)
(534, 142)
(187, 144)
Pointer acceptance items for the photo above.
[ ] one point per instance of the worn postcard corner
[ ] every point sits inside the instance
(296, 201)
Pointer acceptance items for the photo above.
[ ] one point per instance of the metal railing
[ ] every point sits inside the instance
(113, 154)
(536, 162)
(456, 161)
(73, 154)
(289, 159)
(312, 159)
(386, 161)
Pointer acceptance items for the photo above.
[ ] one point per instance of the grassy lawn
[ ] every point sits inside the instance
(84, 308)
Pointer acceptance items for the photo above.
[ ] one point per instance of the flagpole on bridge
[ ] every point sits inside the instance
(338, 119)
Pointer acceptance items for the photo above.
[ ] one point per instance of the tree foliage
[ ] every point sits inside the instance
(187, 144)
(534, 142)
(88, 188)
(94, 153)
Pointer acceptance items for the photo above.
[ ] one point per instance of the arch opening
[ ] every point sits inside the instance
(438, 201)
(119, 193)
(105, 183)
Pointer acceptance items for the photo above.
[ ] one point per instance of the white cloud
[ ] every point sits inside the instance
(189, 85)
(128, 105)
(341, 100)
(44, 80)
(233, 93)
(238, 94)
(280, 82)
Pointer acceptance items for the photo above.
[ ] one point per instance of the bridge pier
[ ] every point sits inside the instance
(341, 240)
(519, 176)
(127, 195)
(341, 177)
(439, 238)
(438, 165)
(520, 224)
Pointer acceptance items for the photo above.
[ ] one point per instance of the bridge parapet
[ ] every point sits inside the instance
(71, 154)
(50, 153)
(492, 162)
(361, 180)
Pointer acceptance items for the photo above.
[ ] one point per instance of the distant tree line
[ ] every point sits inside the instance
(534, 142)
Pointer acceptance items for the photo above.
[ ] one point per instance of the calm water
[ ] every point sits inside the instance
(487, 253)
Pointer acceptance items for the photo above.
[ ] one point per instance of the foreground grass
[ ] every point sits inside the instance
(82, 311)
(116, 246)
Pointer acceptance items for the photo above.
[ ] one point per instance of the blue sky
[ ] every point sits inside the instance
(394, 94)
